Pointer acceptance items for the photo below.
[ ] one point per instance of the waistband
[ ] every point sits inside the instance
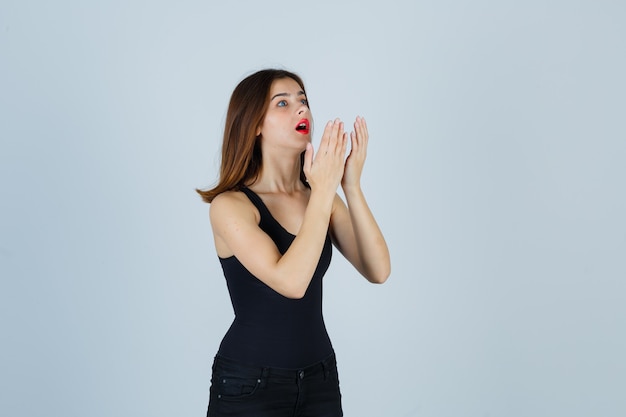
(323, 367)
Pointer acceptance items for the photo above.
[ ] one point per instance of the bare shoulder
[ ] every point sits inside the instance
(233, 219)
(231, 205)
(229, 199)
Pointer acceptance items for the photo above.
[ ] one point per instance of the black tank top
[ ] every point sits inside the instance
(270, 329)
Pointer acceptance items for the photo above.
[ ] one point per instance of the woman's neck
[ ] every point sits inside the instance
(279, 174)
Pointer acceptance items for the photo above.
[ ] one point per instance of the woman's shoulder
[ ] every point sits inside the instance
(228, 197)
(232, 204)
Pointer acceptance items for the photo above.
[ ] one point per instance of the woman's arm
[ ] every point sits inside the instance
(353, 228)
(235, 223)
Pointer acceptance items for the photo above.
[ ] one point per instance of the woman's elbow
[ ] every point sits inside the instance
(379, 277)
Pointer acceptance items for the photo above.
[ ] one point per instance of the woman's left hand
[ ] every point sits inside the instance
(358, 152)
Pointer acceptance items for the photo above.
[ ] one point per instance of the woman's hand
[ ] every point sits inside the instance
(358, 152)
(353, 227)
(325, 172)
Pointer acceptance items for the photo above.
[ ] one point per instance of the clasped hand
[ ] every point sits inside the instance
(329, 167)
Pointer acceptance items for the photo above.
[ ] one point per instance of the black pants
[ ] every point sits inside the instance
(243, 390)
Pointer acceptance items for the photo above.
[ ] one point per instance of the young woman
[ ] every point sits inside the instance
(276, 214)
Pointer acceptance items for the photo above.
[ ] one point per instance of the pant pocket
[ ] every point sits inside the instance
(234, 387)
(234, 381)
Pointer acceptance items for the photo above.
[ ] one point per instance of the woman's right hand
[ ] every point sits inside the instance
(325, 171)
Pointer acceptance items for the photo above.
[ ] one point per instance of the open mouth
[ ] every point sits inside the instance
(303, 126)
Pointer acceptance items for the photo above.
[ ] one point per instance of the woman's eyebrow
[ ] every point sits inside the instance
(300, 93)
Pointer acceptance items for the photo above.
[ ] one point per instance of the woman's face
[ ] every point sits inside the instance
(288, 120)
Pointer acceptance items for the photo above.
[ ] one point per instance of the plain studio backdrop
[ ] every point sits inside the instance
(496, 169)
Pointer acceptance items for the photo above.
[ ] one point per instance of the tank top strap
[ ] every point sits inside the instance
(258, 203)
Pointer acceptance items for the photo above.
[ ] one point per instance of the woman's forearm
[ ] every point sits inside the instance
(374, 259)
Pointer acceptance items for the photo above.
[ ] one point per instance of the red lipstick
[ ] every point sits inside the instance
(303, 126)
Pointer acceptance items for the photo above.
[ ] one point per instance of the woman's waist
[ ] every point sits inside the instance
(270, 346)
(278, 326)
(277, 330)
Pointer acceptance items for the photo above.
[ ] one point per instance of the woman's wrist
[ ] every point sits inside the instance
(321, 201)
(351, 188)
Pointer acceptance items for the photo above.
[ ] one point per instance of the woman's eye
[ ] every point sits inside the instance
(305, 101)
(282, 103)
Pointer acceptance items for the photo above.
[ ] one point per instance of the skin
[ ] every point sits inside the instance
(303, 212)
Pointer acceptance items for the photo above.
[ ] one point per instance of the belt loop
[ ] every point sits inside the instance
(324, 369)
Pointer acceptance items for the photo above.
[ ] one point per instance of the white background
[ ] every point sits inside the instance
(496, 170)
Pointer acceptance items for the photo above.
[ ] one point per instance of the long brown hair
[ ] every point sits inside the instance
(241, 148)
